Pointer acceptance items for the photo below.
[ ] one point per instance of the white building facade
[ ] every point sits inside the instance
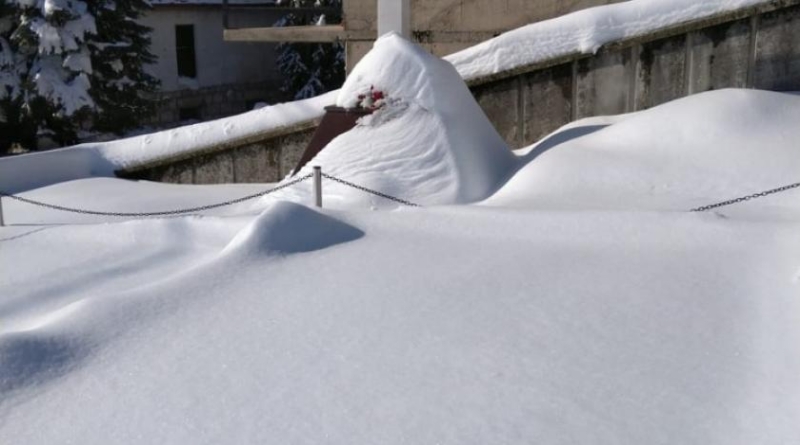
(202, 76)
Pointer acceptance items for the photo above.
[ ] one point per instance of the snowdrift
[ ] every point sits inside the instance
(690, 152)
(286, 228)
(431, 143)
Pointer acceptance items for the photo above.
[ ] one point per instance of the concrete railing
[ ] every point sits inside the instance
(755, 47)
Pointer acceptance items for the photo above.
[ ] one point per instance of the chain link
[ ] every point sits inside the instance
(746, 198)
(164, 213)
(370, 191)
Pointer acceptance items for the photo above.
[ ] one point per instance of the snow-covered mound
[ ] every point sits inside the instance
(694, 151)
(285, 228)
(431, 143)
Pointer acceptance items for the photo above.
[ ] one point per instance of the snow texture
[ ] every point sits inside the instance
(680, 155)
(433, 145)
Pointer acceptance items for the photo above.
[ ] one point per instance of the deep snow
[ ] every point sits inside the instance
(554, 312)
(579, 303)
(695, 151)
(446, 325)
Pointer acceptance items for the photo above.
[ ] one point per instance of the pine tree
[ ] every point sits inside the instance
(121, 89)
(310, 69)
(63, 70)
(45, 67)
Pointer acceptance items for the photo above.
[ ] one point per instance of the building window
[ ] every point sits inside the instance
(184, 49)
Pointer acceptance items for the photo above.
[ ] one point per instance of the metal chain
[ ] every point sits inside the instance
(332, 178)
(370, 191)
(746, 198)
(164, 213)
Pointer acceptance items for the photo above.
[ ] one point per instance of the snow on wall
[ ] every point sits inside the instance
(584, 32)
(101, 159)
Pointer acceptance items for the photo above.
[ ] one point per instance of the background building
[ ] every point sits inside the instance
(203, 76)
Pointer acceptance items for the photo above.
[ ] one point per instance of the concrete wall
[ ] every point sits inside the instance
(753, 48)
(448, 26)
(213, 102)
(758, 51)
(262, 159)
(230, 75)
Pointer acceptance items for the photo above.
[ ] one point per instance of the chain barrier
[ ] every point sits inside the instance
(370, 191)
(151, 214)
(332, 178)
(746, 198)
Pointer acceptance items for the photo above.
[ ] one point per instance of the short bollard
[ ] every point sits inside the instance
(318, 186)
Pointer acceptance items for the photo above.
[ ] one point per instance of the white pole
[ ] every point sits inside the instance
(394, 15)
(318, 186)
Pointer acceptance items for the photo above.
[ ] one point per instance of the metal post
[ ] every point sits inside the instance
(318, 186)
(2, 223)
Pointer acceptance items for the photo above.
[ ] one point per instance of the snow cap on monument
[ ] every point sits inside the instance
(478, 158)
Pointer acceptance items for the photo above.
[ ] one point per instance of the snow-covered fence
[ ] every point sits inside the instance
(317, 177)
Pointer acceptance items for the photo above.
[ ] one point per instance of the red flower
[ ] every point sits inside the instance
(377, 95)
